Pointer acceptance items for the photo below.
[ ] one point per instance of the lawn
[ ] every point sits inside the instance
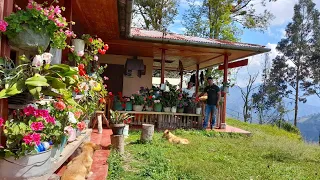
(270, 153)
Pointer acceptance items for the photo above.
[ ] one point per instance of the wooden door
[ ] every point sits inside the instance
(115, 74)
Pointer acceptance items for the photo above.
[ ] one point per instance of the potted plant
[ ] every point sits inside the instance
(148, 103)
(198, 105)
(29, 133)
(157, 105)
(191, 106)
(36, 26)
(128, 102)
(138, 101)
(173, 96)
(166, 105)
(118, 121)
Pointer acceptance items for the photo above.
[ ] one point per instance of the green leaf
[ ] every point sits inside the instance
(37, 80)
(16, 88)
(50, 93)
(35, 91)
(55, 83)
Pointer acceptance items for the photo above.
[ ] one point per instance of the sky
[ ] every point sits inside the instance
(283, 12)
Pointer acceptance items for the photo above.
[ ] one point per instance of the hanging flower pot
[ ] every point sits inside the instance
(30, 40)
(137, 107)
(174, 109)
(78, 45)
(157, 107)
(117, 129)
(26, 167)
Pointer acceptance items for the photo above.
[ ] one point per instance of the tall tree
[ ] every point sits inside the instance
(219, 18)
(155, 14)
(291, 70)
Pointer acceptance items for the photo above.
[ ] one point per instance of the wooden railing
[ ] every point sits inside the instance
(164, 120)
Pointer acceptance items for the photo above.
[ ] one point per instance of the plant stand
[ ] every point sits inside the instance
(147, 132)
(117, 142)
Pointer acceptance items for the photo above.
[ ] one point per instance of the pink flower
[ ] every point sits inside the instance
(41, 113)
(105, 78)
(51, 17)
(30, 6)
(77, 114)
(110, 93)
(59, 105)
(68, 33)
(29, 110)
(27, 139)
(81, 125)
(95, 58)
(37, 126)
(3, 25)
(57, 10)
(46, 12)
(1, 121)
(80, 53)
(72, 48)
(38, 7)
(17, 7)
(50, 119)
(105, 86)
(36, 138)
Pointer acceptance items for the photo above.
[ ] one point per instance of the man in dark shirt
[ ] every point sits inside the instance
(213, 93)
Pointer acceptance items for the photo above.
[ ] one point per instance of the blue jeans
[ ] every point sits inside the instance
(209, 109)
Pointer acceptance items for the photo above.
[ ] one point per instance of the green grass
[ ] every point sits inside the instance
(270, 153)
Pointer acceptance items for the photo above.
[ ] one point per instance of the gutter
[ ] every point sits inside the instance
(127, 35)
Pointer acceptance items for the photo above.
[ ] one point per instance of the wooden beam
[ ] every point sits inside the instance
(68, 15)
(163, 61)
(166, 68)
(225, 81)
(235, 64)
(6, 8)
(210, 59)
(197, 80)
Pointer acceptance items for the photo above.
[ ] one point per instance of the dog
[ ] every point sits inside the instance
(79, 168)
(174, 139)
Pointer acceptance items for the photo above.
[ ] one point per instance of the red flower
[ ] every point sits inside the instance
(90, 40)
(106, 47)
(76, 90)
(81, 125)
(128, 121)
(37, 126)
(102, 100)
(81, 66)
(102, 51)
(1, 121)
(82, 72)
(110, 93)
(123, 105)
(59, 105)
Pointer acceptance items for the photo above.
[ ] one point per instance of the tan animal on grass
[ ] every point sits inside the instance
(174, 139)
(80, 167)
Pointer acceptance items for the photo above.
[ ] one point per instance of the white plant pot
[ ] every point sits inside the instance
(126, 130)
(57, 55)
(198, 110)
(137, 107)
(166, 109)
(174, 109)
(78, 45)
(149, 108)
(26, 167)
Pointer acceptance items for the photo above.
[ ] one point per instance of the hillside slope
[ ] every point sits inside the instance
(269, 153)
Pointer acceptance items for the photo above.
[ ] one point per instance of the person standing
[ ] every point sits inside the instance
(214, 95)
(189, 90)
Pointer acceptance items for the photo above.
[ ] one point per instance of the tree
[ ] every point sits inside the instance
(246, 94)
(219, 18)
(291, 69)
(156, 14)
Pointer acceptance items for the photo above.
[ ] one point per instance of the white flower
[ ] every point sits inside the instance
(80, 53)
(71, 118)
(47, 57)
(132, 97)
(93, 83)
(153, 96)
(84, 86)
(37, 61)
(95, 58)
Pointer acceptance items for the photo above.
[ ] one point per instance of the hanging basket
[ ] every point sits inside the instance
(29, 40)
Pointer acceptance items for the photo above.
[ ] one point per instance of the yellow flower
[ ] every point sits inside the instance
(97, 87)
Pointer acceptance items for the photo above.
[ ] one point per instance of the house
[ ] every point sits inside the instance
(111, 21)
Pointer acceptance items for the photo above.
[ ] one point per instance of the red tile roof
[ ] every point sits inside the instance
(159, 35)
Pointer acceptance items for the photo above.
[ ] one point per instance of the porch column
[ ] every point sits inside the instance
(197, 80)
(68, 15)
(181, 73)
(6, 7)
(163, 54)
(225, 80)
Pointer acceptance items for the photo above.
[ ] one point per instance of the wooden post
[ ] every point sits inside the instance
(6, 8)
(117, 142)
(225, 81)
(181, 73)
(163, 54)
(197, 80)
(68, 15)
(147, 132)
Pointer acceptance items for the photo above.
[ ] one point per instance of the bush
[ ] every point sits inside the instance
(287, 126)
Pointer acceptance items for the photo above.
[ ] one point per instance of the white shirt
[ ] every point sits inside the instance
(190, 92)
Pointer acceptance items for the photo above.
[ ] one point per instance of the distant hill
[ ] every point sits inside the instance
(309, 113)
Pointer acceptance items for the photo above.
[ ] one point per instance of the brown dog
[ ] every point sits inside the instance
(174, 139)
(80, 167)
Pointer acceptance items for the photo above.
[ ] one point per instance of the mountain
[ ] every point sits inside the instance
(308, 113)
